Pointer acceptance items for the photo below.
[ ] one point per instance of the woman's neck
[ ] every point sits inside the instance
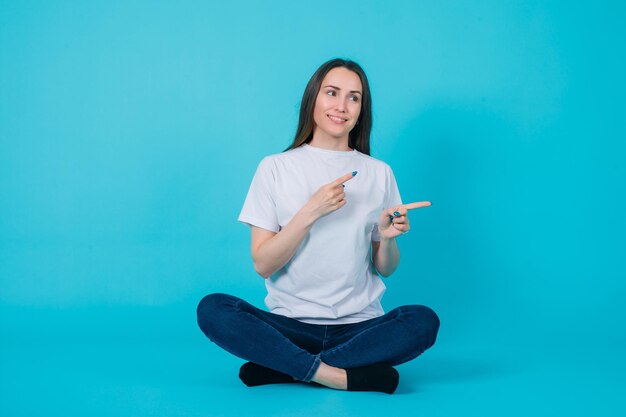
(330, 143)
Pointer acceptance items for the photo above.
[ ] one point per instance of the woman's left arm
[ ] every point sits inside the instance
(386, 256)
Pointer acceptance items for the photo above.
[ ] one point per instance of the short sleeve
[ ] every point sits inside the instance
(259, 207)
(392, 198)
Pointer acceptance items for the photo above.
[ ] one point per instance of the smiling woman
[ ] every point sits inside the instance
(341, 107)
(324, 98)
(324, 217)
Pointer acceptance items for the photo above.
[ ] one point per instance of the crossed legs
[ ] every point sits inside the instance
(355, 352)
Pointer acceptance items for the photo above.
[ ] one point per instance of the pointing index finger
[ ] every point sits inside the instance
(344, 178)
(419, 204)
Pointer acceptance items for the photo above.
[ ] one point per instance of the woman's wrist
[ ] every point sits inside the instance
(306, 217)
(387, 239)
(383, 237)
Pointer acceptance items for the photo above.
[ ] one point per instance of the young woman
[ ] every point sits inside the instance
(324, 217)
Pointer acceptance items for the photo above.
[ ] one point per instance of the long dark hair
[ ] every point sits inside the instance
(359, 137)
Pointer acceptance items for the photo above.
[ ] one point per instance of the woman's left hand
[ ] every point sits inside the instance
(395, 221)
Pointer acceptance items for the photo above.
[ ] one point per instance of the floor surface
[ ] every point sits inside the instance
(195, 378)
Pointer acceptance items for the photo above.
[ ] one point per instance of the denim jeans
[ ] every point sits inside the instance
(297, 348)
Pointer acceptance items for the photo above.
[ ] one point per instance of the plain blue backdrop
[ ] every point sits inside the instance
(130, 132)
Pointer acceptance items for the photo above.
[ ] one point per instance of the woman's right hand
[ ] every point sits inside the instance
(329, 197)
(271, 251)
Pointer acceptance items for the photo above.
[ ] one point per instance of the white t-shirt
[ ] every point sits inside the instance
(330, 279)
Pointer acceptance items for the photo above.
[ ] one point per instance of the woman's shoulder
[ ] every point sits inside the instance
(274, 160)
(291, 153)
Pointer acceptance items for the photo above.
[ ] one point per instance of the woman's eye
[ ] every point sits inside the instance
(330, 92)
(354, 98)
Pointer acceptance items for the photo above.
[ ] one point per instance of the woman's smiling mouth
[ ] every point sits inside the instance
(336, 119)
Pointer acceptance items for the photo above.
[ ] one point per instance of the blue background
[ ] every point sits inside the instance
(130, 132)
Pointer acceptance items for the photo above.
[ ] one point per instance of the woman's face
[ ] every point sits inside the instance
(338, 103)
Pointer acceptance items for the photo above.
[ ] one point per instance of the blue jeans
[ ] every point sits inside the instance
(296, 348)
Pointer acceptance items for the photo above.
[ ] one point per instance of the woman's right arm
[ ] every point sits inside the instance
(271, 251)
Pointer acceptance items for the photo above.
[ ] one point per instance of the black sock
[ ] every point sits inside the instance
(253, 374)
(379, 377)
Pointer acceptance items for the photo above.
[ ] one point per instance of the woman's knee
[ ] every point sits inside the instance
(426, 320)
(211, 307)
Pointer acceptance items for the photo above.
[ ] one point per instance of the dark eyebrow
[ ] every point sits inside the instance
(337, 88)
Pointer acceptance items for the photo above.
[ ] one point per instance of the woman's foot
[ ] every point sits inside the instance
(379, 377)
(331, 377)
(253, 374)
